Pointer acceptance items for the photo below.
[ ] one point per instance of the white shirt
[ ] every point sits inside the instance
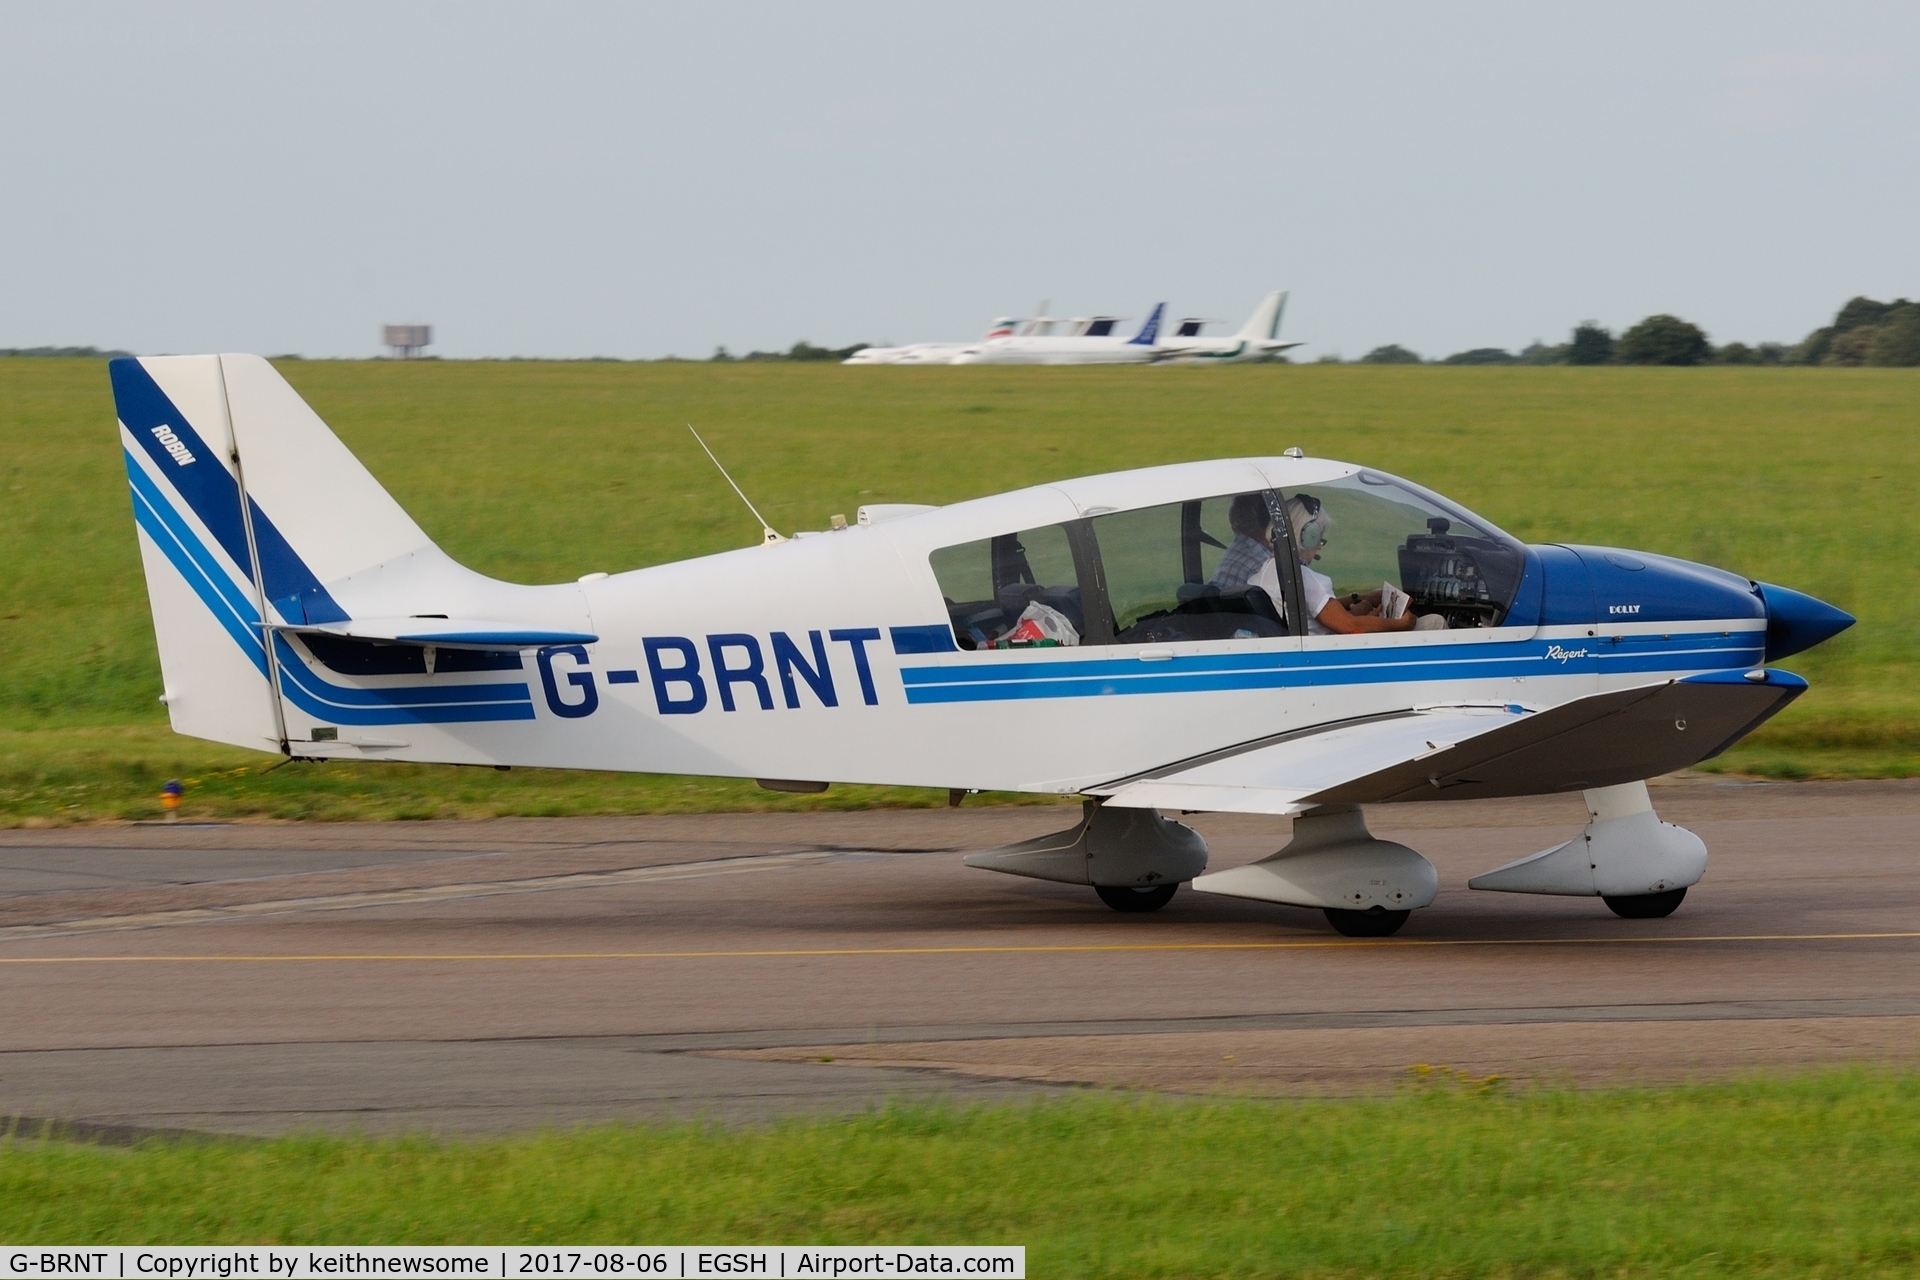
(1315, 586)
(1318, 590)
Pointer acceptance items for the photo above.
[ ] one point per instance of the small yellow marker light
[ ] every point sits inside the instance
(170, 799)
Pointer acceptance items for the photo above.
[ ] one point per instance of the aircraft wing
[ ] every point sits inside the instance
(1470, 752)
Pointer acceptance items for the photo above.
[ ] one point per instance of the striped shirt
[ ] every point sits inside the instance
(1241, 561)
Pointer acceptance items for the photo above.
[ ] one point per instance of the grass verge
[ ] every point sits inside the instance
(113, 773)
(1805, 1176)
(587, 466)
(105, 773)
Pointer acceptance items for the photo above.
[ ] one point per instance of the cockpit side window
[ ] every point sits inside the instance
(1363, 531)
(994, 585)
(1186, 571)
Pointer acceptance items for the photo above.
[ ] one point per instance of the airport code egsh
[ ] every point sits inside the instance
(282, 1262)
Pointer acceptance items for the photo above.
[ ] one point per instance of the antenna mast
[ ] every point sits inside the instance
(767, 536)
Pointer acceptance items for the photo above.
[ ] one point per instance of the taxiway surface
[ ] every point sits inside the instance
(472, 977)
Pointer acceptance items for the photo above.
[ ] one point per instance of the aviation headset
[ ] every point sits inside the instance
(1311, 524)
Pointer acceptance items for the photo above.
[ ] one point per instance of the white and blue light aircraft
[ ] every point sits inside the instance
(1124, 638)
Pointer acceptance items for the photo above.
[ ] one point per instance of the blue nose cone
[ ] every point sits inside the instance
(1797, 621)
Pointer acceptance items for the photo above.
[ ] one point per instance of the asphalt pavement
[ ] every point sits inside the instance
(474, 977)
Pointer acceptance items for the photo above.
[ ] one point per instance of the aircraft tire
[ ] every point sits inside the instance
(1123, 897)
(1374, 922)
(1644, 906)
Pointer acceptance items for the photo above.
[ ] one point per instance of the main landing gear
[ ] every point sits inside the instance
(1128, 898)
(1136, 860)
(1367, 886)
(1374, 922)
(1133, 858)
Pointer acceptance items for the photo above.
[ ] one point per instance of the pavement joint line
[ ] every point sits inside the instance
(1043, 949)
(656, 873)
(723, 1040)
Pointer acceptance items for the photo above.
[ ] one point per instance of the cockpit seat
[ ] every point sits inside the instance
(1204, 612)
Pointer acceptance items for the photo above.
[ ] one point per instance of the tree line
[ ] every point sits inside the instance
(1864, 332)
(802, 351)
(88, 353)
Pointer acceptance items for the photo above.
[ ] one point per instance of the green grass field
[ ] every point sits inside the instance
(540, 471)
(1804, 1176)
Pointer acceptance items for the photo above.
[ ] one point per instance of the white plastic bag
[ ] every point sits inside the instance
(1043, 622)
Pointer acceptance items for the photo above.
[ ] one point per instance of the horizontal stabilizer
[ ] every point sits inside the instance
(449, 633)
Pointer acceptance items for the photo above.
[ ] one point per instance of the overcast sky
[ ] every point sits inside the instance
(571, 180)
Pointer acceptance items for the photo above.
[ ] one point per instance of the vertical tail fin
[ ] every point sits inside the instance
(247, 506)
(1264, 323)
(1150, 331)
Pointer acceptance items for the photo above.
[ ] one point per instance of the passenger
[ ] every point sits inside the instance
(1252, 523)
(1311, 523)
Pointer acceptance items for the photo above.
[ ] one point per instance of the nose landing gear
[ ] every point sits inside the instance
(1638, 865)
(1644, 906)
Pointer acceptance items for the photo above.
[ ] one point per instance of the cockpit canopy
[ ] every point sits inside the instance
(1191, 570)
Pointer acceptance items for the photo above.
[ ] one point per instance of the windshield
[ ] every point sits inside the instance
(1482, 527)
(1367, 532)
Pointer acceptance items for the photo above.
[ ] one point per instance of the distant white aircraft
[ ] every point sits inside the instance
(944, 352)
(929, 352)
(1092, 326)
(1041, 322)
(1084, 348)
(1258, 339)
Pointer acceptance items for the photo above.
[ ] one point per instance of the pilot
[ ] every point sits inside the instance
(1252, 523)
(1311, 524)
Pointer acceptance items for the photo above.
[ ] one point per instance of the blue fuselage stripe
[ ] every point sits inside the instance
(436, 704)
(292, 669)
(1531, 652)
(1213, 673)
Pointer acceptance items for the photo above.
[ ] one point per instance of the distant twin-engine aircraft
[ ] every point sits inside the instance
(1281, 635)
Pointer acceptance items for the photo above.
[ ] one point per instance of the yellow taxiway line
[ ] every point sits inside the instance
(1033, 949)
